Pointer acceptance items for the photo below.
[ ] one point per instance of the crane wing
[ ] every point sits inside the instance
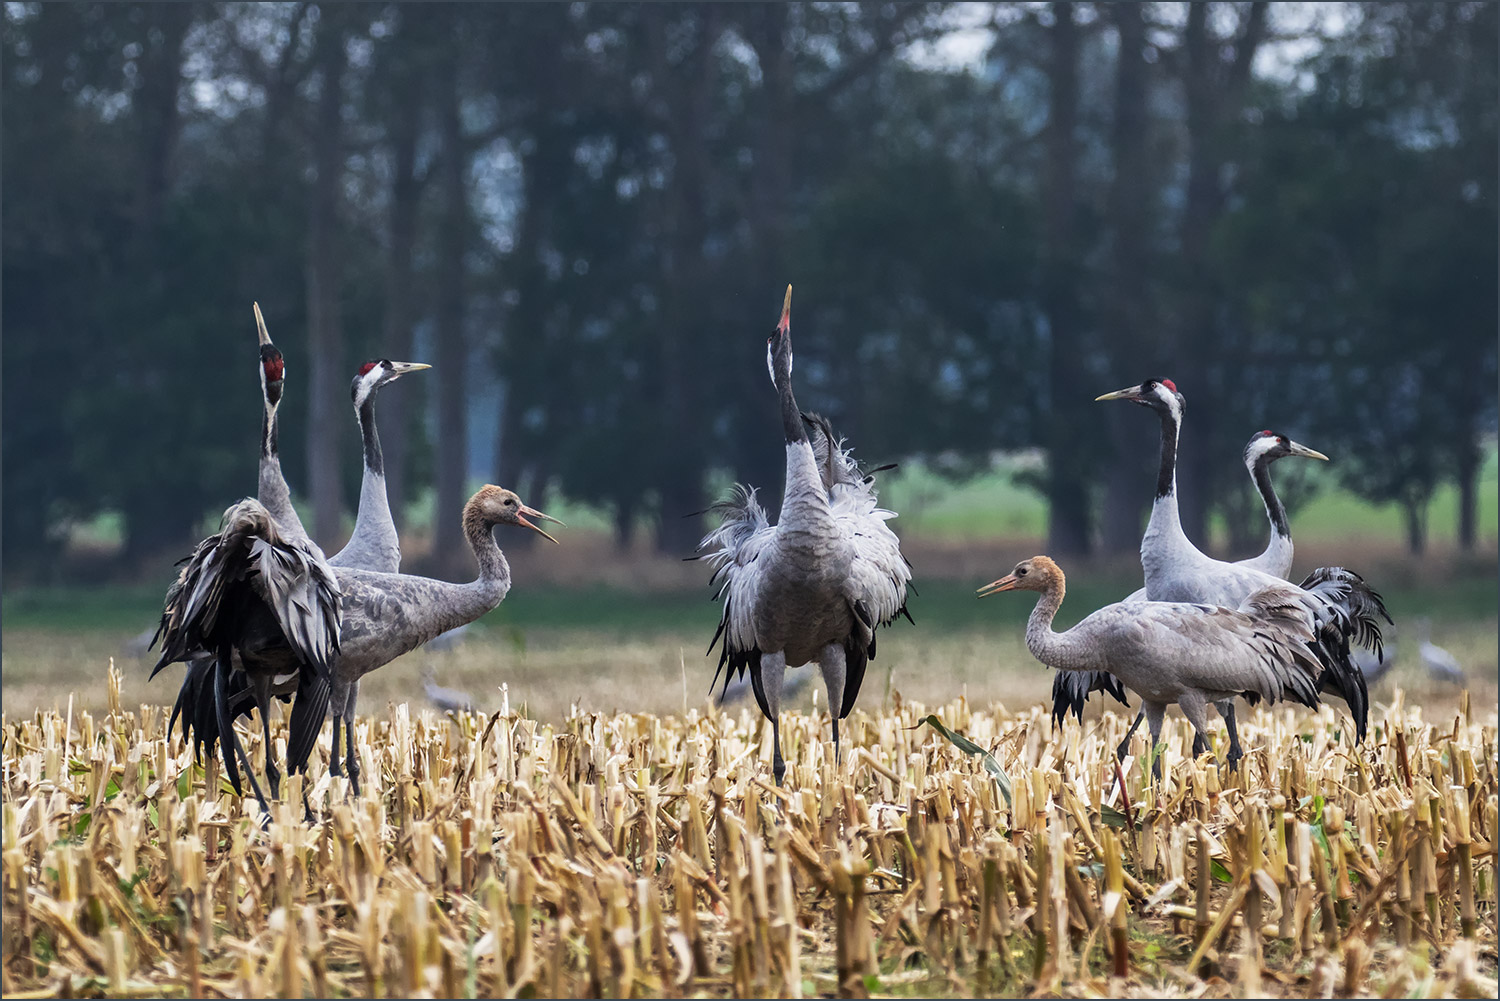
(291, 576)
(733, 550)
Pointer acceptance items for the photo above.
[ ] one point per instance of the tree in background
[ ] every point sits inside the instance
(595, 207)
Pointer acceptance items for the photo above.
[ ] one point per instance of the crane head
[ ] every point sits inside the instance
(1268, 446)
(1160, 395)
(494, 505)
(272, 365)
(1039, 573)
(374, 374)
(779, 344)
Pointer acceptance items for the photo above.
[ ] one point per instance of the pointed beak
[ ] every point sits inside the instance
(534, 513)
(400, 368)
(1131, 393)
(260, 324)
(786, 312)
(1006, 583)
(1304, 451)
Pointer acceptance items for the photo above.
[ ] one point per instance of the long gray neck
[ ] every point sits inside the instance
(804, 504)
(1279, 549)
(374, 544)
(1057, 650)
(272, 490)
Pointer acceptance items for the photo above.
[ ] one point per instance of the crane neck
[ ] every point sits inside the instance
(791, 414)
(271, 489)
(494, 569)
(1260, 472)
(1057, 650)
(1166, 477)
(364, 413)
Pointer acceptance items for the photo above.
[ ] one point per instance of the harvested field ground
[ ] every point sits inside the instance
(637, 854)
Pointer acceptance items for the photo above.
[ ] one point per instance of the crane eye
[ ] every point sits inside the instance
(1021, 571)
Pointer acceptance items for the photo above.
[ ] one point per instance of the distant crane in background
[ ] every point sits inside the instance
(1440, 664)
(1374, 666)
(814, 586)
(444, 699)
(736, 690)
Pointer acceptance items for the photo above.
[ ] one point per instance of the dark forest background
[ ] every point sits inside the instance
(584, 216)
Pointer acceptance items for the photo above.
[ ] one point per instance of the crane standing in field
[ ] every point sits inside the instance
(817, 584)
(1070, 689)
(1340, 606)
(1178, 652)
(255, 597)
(212, 679)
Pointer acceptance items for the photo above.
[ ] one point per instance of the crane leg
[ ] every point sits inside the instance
(229, 741)
(260, 688)
(1194, 708)
(1154, 711)
(350, 760)
(1124, 747)
(335, 765)
(767, 680)
(1226, 710)
(833, 665)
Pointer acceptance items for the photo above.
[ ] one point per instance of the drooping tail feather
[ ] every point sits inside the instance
(1071, 689)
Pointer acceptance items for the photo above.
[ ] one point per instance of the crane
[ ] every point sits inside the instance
(1344, 610)
(1440, 664)
(389, 614)
(1179, 652)
(737, 689)
(817, 584)
(195, 699)
(254, 595)
(1071, 689)
(374, 544)
(445, 699)
(1372, 665)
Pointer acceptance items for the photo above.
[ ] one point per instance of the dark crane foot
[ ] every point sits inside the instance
(353, 778)
(1232, 759)
(1123, 749)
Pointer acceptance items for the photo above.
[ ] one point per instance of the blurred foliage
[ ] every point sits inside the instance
(640, 183)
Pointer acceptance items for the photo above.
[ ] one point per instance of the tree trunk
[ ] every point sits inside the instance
(1415, 510)
(1070, 427)
(326, 414)
(1126, 486)
(678, 382)
(399, 306)
(1468, 497)
(1214, 92)
(452, 452)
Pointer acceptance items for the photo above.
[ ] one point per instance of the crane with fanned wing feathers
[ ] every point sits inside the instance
(817, 584)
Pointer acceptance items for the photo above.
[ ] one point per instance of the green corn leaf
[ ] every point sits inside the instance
(966, 745)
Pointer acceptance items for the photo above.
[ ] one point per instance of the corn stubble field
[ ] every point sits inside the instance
(635, 854)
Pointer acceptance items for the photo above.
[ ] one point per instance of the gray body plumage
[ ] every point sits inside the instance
(816, 585)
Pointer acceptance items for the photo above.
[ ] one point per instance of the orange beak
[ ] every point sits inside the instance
(1006, 583)
(786, 312)
(533, 512)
